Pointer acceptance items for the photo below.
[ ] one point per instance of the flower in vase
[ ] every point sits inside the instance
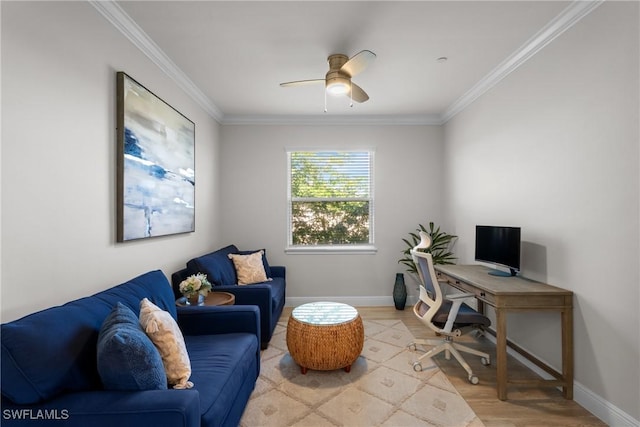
(195, 284)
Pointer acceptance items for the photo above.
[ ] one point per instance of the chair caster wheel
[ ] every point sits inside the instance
(417, 366)
(473, 379)
(412, 347)
(485, 361)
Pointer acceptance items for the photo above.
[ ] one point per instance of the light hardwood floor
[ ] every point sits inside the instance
(526, 406)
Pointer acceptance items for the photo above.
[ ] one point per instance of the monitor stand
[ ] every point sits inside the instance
(501, 273)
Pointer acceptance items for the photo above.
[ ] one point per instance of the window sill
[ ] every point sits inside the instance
(332, 250)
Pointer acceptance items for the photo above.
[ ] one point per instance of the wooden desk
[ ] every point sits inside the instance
(517, 294)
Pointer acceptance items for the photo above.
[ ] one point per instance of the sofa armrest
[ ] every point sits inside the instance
(258, 295)
(224, 319)
(109, 408)
(278, 271)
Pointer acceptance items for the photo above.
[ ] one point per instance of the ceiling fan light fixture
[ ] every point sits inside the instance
(338, 86)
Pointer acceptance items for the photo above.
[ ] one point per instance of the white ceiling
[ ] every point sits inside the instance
(237, 52)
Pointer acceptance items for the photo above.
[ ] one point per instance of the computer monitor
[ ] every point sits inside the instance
(500, 246)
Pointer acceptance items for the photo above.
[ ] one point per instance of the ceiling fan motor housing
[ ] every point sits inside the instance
(337, 82)
(336, 61)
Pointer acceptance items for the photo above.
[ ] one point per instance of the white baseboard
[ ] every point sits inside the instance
(601, 408)
(606, 411)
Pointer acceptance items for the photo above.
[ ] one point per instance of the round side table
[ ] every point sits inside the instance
(212, 298)
(325, 336)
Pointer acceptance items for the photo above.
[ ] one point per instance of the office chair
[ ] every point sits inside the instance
(447, 316)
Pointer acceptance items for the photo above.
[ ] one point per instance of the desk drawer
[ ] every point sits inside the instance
(478, 293)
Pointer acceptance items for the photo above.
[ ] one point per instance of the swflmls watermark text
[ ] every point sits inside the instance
(35, 414)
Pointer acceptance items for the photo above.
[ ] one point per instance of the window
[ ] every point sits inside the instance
(330, 200)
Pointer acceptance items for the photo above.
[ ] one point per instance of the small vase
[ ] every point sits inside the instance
(193, 299)
(399, 292)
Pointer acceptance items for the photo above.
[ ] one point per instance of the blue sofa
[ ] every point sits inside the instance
(50, 374)
(268, 296)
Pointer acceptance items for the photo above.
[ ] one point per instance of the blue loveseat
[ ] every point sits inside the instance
(50, 375)
(269, 296)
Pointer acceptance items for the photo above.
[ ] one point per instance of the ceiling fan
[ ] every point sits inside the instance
(338, 79)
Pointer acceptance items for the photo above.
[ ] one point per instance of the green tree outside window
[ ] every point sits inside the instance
(330, 198)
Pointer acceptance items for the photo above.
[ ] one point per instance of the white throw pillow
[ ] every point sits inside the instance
(165, 334)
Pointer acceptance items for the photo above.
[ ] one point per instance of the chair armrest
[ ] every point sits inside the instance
(259, 295)
(278, 271)
(456, 301)
(225, 319)
(109, 408)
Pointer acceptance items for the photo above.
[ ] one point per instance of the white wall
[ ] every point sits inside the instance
(59, 63)
(554, 149)
(255, 194)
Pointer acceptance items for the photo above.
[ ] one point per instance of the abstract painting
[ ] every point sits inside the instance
(155, 165)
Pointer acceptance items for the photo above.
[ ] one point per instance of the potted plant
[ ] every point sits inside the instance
(441, 243)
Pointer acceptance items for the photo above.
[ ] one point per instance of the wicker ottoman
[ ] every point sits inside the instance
(325, 336)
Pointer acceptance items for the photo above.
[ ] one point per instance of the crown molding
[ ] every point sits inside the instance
(132, 31)
(293, 119)
(573, 13)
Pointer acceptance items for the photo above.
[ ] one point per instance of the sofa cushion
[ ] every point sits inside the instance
(127, 359)
(70, 343)
(249, 268)
(265, 263)
(167, 337)
(224, 367)
(216, 265)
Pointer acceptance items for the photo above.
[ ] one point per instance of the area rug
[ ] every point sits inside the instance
(382, 388)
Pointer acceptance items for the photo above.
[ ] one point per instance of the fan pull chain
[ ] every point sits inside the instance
(325, 100)
(351, 97)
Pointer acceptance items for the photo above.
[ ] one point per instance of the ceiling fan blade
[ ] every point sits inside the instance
(358, 62)
(357, 94)
(302, 82)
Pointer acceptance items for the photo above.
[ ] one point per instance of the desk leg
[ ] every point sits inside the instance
(501, 353)
(567, 352)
